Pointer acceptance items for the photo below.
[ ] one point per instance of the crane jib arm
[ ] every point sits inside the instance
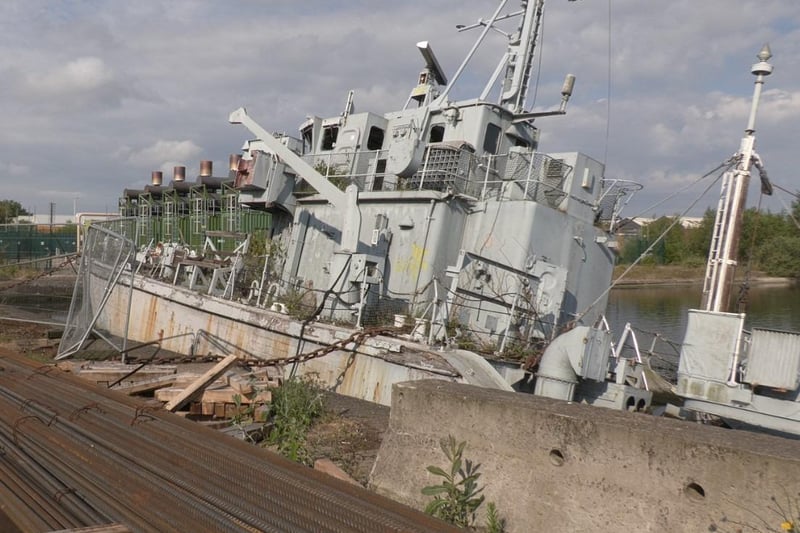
(331, 193)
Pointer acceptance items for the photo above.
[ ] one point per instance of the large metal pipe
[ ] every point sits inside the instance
(156, 177)
(132, 193)
(181, 187)
(233, 162)
(206, 168)
(179, 173)
(558, 369)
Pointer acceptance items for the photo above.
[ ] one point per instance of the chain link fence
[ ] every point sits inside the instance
(35, 245)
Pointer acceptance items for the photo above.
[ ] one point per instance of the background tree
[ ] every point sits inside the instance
(698, 239)
(781, 257)
(670, 249)
(758, 230)
(796, 209)
(9, 210)
(769, 242)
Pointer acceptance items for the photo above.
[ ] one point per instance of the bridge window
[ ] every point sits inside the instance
(375, 138)
(437, 133)
(329, 135)
(380, 170)
(521, 142)
(491, 140)
(308, 140)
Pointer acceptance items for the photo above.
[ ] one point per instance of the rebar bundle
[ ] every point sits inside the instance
(75, 455)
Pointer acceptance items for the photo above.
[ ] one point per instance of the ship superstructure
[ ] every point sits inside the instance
(443, 215)
(448, 193)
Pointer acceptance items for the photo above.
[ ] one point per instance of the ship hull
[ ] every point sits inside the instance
(189, 323)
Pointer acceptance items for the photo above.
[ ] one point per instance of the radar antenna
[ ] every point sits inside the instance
(431, 77)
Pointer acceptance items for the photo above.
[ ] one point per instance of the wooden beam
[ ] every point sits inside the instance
(145, 385)
(201, 383)
(221, 395)
(110, 372)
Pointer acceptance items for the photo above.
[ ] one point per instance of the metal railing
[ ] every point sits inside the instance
(518, 175)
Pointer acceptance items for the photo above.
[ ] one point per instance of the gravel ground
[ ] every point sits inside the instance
(349, 434)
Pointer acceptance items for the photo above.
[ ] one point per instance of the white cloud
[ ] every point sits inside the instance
(80, 75)
(74, 87)
(780, 106)
(163, 154)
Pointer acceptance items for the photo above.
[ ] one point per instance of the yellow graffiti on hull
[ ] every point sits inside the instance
(412, 263)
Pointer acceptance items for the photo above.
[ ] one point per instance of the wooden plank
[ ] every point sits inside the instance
(135, 387)
(201, 263)
(269, 373)
(184, 379)
(217, 410)
(202, 382)
(221, 395)
(151, 384)
(109, 373)
(239, 383)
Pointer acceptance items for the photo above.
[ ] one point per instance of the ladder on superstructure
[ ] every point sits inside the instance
(170, 218)
(716, 255)
(198, 215)
(144, 222)
(231, 210)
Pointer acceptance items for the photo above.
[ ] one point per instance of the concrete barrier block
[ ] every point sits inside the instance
(551, 465)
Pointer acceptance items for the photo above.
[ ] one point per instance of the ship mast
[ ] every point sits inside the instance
(521, 52)
(727, 225)
(517, 61)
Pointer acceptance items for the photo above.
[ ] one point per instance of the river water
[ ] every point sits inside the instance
(663, 310)
(658, 312)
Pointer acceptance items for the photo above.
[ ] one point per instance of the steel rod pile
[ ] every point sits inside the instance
(74, 455)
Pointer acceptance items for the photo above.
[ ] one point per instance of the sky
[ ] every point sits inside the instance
(94, 95)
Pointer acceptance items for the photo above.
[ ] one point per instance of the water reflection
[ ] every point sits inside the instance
(652, 309)
(775, 308)
(664, 309)
(51, 306)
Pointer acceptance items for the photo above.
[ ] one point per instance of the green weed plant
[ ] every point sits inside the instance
(295, 406)
(457, 497)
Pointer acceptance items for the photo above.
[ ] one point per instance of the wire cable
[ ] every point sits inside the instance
(726, 165)
(649, 248)
(608, 89)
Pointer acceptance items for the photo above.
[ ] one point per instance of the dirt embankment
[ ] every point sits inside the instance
(680, 275)
(58, 283)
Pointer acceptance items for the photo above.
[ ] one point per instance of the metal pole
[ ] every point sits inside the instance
(726, 261)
